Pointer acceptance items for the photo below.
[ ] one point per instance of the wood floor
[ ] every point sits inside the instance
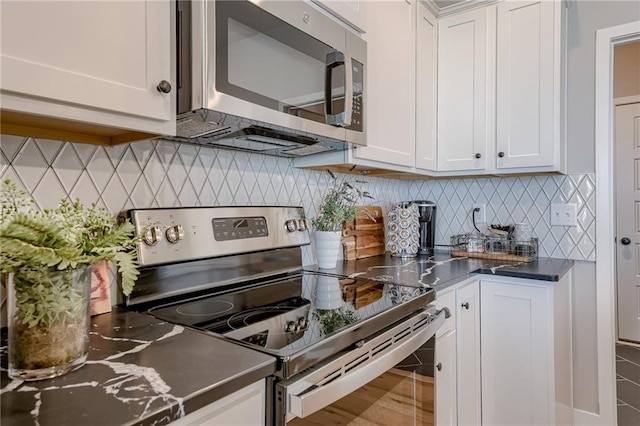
(628, 385)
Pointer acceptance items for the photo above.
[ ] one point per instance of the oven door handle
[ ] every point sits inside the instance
(316, 397)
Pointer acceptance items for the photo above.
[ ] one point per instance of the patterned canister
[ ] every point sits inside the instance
(403, 230)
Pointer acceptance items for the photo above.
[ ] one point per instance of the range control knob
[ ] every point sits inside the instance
(152, 236)
(175, 234)
(291, 225)
(302, 224)
(292, 327)
(303, 323)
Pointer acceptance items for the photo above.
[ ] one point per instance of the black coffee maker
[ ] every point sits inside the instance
(427, 219)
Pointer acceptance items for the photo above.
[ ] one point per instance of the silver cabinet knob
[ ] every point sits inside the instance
(164, 86)
(152, 236)
(175, 234)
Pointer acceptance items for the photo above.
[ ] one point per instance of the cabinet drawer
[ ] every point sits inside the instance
(447, 300)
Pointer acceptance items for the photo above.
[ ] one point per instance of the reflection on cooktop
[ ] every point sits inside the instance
(252, 316)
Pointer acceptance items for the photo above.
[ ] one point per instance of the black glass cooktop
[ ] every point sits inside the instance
(289, 315)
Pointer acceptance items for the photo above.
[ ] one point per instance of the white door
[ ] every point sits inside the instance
(101, 55)
(426, 88)
(628, 220)
(526, 85)
(468, 329)
(516, 354)
(391, 135)
(462, 90)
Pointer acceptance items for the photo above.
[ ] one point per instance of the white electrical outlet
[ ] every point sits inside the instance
(564, 214)
(481, 215)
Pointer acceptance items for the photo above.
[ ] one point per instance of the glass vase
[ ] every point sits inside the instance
(49, 317)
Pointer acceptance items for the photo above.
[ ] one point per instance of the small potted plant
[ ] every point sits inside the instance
(334, 319)
(339, 204)
(46, 258)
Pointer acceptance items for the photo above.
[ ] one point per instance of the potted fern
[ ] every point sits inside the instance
(339, 204)
(46, 258)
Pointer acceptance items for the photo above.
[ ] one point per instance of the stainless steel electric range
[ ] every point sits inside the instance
(237, 273)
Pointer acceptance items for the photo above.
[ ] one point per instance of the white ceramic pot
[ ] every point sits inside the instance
(328, 293)
(327, 248)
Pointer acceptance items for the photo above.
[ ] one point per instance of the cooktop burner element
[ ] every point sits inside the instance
(205, 308)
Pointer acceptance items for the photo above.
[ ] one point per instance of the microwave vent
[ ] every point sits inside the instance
(188, 128)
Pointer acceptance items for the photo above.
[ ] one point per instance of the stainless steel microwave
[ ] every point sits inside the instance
(277, 77)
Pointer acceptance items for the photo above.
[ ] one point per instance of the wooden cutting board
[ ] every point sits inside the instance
(364, 236)
(360, 294)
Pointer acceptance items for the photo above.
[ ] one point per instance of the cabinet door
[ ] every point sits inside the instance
(446, 379)
(390, 118)
(462, 91)
(352, 12)
(528, 95)
(97, 55)
(468, 348)
(244, 407)
(517, 354)
(426, 85)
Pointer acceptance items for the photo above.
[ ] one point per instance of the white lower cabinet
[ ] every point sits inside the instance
(458, 353)
(510, 342)
(446, 396)
(468, 331)
(526, 351)
(245, 407)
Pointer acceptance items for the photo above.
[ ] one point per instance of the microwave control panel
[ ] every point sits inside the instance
(358, 95)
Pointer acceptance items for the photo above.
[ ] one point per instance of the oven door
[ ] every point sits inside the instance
(387, 379)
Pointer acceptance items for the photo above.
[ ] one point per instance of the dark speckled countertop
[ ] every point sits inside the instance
(140, 371)
(442, 270)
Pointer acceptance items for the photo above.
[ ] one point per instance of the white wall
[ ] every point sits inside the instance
(585, 359)
(585, 17)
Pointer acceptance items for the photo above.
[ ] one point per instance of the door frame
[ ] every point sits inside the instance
(606, 40)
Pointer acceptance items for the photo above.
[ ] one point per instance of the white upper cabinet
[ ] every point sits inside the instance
(426, 87)
(353, 12)
(87, 71)
(528, 84)
(390, 96)
(462, 90)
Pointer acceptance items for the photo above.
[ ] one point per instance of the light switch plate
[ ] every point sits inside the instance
(564, 214)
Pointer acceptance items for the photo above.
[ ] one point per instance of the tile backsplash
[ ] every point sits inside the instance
(165, 174)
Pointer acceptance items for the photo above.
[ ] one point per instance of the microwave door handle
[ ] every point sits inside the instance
(335, 59)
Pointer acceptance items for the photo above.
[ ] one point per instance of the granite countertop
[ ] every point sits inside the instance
(442, 270)
(140, 371)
